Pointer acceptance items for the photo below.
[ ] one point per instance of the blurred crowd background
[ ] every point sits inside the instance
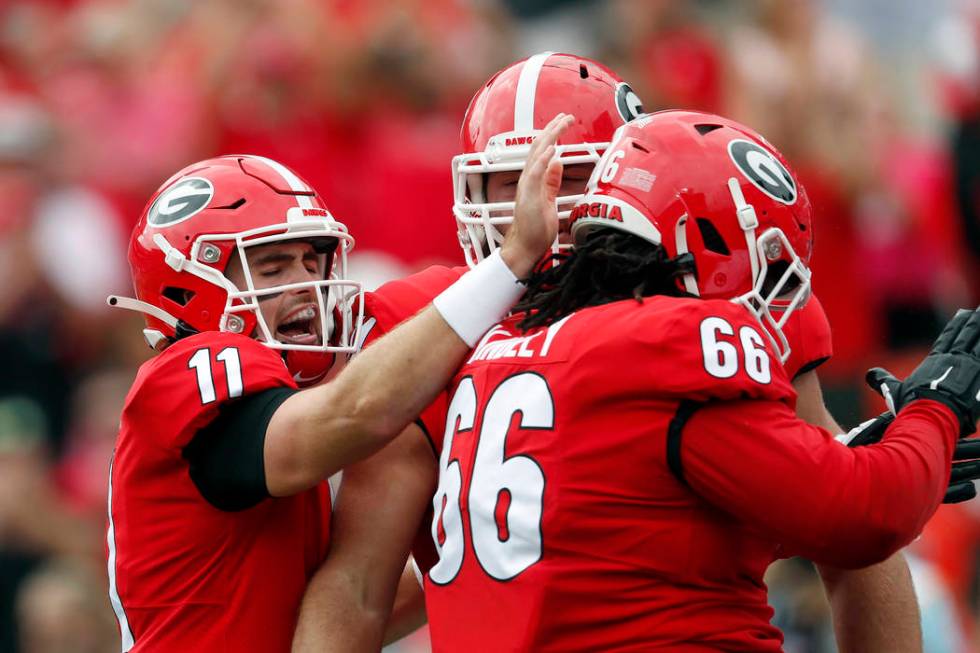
(875, 102)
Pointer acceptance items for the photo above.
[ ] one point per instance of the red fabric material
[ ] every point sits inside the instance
(809, 337)
(795, 484)
(630, 558)
(191, 577)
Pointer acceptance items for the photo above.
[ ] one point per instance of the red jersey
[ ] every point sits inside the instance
(184, 575)
(808, 333)
(568, 520)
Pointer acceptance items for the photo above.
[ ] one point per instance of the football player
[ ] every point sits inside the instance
(622, 460)
(499, 126)
(219, 509)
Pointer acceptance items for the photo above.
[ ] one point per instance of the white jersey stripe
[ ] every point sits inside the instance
(366, 327)
(117, 607)
(527, 88)
(294, 182)
(334, 484)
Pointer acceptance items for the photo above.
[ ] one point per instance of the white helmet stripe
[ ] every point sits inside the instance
(294, 182)
(527, 87)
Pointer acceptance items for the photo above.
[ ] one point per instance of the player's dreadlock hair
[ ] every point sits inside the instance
(609, 266)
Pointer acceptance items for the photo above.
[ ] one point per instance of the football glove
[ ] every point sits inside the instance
(966, 456)
(950, 374)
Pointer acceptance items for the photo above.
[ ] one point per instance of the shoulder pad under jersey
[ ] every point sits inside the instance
(181, 389)
(398, 300)
(809, 338)
(682, 348)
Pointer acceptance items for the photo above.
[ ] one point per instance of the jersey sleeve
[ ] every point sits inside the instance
(185, 387)
(808, 333)
(398, 300)
(846, 507)
(700, 350)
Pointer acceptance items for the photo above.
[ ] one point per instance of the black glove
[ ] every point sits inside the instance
(966, 469)
(966, 457)
(950, 374)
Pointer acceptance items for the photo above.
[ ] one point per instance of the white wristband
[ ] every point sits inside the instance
(479, 299)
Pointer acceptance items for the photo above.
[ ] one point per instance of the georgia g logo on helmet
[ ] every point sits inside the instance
(764, 170)
(181, 201)
(628, 102)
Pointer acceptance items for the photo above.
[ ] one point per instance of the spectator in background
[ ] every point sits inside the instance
(59, 610)
(33, 520)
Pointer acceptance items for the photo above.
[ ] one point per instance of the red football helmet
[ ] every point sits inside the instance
(699, 183)
(216, 209)
(508, 112)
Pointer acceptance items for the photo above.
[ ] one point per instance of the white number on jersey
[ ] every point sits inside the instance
(201, 362)
(501, 555)
(721, 359)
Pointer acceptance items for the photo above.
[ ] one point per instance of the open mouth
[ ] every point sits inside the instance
(300, 327)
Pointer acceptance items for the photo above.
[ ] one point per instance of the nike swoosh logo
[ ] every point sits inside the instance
(299, 378)
(935, 384)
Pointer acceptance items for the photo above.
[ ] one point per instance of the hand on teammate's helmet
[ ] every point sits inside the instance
(950, 374)
(966, 457)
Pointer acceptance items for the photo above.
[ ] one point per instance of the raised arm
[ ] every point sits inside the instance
(316, 432)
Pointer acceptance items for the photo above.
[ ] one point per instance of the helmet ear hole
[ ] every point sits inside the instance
(774, 273)
(179, 296)
(712, 239)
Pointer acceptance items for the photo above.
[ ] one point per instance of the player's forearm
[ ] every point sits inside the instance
(334, 616)
(874, 609)
(834, 505)
(874, 502)
(316, 432)
(381, 501)
(383, 389)
(408, 613)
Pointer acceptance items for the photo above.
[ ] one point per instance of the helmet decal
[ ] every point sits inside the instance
(628, 102)
(181, 201)
(764, 170)
(527, 89)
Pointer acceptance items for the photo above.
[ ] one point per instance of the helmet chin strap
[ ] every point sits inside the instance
(138, 306)
(680, 242)
(754, 301)
(748, 220)
(154, 337)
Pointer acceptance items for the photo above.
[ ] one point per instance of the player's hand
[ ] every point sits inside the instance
(966, 457)
(535, 225)
(966, 470)
(950, 374)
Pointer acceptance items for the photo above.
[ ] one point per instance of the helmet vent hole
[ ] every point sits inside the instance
(712, 239)
(234, 205)
(705, 129)
(179, 296)
(640, 147)
(583, 72)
